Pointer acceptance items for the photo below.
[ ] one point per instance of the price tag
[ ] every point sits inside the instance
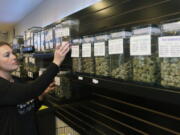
(57, 81)
(80, 78)
(95, 81)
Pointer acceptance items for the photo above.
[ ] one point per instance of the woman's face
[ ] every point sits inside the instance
(8, 61)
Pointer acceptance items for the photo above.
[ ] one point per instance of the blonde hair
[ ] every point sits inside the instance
(2, 43)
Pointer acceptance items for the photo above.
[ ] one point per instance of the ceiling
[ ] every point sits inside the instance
(12, 11)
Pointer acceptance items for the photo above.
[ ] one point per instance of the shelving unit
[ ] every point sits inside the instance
(106, 106)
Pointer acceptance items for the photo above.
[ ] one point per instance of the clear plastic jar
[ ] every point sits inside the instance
(169, 53)
(144, 50)
(87, 55)
(120, 63)
(62, 82)
(49, 40)
(68, 29)
(57, 35)
(42, 42)
(102, 65)
(76, 55)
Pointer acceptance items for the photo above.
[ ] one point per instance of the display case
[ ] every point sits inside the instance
(120, 62)
(169, 53)
(144, 52)
(88, 55)
(102, 65)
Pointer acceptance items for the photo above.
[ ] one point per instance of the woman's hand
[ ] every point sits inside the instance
(61, 52)
(51, 87)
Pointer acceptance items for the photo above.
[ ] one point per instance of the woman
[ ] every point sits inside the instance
(18, 101)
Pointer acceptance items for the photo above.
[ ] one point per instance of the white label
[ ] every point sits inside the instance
(30, 74)
(26, 60)
(33, 60)
(140, 45)
(169, 46)
(51, 45)
(86, 50)
(18, 74)
(99, 49)
(80, 78)
(95, 81)
(40, 73)
(75, 51)
(57, 81)
(64, 32)
(116, 46)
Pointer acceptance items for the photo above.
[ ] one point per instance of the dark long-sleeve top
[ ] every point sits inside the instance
(18, 103)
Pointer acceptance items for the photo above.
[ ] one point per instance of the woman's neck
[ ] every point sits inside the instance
(6, 75)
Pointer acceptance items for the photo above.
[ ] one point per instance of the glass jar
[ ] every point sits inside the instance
(42, 42)
(120, 63)
(101, 55)
(169, 53)
(49, 39)
(68, 29)
(87, 55)
(144, 52)
(76, 55)
(62, 82)
(58, 34)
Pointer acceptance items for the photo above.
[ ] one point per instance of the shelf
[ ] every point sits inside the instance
(150, 92)
(28, 49)
(43, 55)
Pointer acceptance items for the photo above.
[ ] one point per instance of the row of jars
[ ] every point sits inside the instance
(146, 54)
(46, 39)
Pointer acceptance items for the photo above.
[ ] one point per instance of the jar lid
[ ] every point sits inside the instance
(173, 26)
(88, 38)
(150, 29)
(122, 34)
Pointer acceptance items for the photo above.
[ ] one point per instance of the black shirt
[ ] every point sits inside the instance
(18, 103)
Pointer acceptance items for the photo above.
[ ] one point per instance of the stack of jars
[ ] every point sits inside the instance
(144, 52)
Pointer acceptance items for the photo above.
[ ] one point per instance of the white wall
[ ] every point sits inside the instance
(50, 11)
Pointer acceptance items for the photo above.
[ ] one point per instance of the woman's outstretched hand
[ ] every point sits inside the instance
(60, 53)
